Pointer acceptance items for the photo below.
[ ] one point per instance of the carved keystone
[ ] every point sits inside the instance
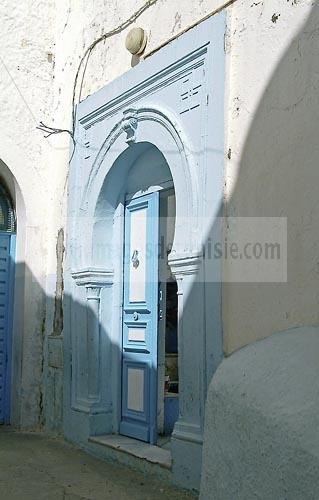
(129, 125)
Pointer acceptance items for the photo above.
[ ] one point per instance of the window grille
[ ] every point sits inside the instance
(7, 214)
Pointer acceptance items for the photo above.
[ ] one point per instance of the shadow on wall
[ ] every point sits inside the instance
(47, 358)
(22, 337)
(264, 446)
(279, 177)
(29, 303)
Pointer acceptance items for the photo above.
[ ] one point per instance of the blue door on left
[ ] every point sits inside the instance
(7, 251)
(7, 259)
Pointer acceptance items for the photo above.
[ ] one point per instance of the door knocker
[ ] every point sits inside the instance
(134, 259)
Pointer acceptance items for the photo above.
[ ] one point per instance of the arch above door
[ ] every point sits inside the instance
(160, 129)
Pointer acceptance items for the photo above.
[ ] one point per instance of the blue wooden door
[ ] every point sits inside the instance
(7, 254)
(140, 318)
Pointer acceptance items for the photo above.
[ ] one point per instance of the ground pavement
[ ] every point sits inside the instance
(33, 466)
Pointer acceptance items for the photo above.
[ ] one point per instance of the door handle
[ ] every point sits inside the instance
(134, 259)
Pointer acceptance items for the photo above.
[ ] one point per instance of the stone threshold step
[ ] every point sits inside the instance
(136, 448)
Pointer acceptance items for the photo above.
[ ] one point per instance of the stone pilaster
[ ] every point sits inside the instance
(187, 436)
(93, 280)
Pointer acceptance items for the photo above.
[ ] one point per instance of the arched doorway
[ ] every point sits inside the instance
(149, 318)
(136, 211)
(7, 260)
(98, 200)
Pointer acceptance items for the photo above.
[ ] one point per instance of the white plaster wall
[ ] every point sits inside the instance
(25, 89)
(79, 23)
(271, 128)
(25, 98)
(272, 115)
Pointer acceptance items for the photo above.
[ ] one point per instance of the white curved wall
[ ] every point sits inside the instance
(261, 421)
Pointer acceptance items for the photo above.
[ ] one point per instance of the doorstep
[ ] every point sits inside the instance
(136, 448)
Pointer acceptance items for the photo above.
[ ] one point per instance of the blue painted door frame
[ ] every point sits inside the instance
(7, 264)
(140, 319)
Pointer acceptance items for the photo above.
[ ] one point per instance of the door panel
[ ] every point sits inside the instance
(7, 250)
(140, 316)
(137, 278)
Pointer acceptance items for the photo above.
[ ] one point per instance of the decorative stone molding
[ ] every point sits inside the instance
(93, 278)
(93, 292)
(174, 133)
(147, 86)
(187, 431)
(129, 124)
(185, 265)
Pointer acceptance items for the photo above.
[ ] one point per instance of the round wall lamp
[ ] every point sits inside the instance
(136, 40)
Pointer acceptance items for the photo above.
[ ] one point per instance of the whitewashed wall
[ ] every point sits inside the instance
(271, 130)
(272, 111)
(26, 41)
